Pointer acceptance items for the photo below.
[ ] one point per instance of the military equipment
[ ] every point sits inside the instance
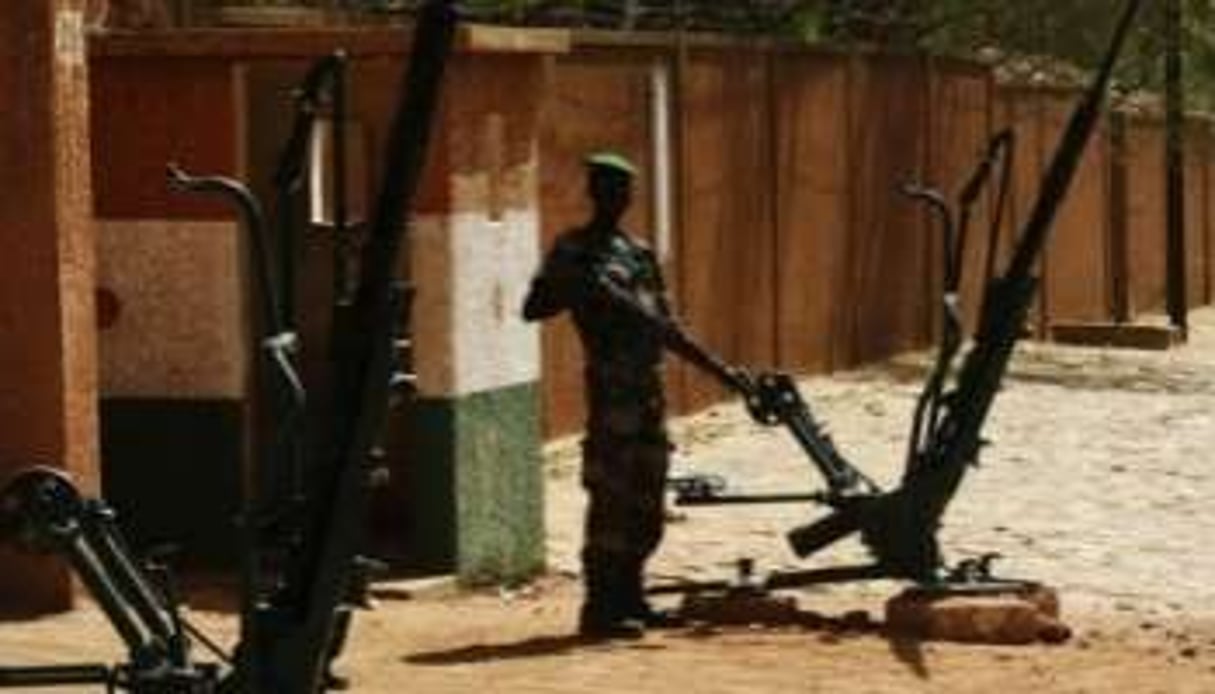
(900, 526)
(43, 512)
(302, 533)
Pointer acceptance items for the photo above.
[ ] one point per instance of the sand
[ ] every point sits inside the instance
(1097, 483)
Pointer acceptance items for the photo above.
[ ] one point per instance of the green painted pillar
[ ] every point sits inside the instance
(476, 479)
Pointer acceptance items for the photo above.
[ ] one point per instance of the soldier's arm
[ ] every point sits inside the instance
(554, 287)
(664, 301)
(542, 300)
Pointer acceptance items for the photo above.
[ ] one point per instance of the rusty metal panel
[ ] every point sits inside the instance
(1076, 264)
(1208, 206)
(812, 185)
(146, 113)
(887, 251)
(961, 124)
(1146, 214)
(1197, 156)
(727, 245)
(1076, 282)
(1023, 109)
(593, 102)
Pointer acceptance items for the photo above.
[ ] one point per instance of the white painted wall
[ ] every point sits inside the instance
(472, 274)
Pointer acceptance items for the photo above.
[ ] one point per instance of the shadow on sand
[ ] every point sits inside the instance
(534, 647)
(831, 630)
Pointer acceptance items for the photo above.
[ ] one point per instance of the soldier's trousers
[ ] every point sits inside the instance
(625, 481)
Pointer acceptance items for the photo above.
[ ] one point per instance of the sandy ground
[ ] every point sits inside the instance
(1097, 483)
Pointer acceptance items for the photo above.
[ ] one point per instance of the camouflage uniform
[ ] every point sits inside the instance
(626, 450)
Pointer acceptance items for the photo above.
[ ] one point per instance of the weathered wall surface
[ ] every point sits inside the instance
(887, 248)
(481, 386)
(1075, 284)
(178, 327)
(811, 116)
(182, 417)
(726, 196)
(791, 243)
(1145, 213)
(962, 106)
(48, 408)
(1198, 158)
(175, 341)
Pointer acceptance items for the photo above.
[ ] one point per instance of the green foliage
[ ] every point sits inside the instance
(1035, 34)
(1032, 36)
(506, 8)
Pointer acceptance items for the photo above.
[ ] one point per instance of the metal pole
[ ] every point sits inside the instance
(1175, 168)
(1119, 252)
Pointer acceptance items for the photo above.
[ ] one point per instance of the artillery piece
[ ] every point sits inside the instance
(899, 526)
(302, 534)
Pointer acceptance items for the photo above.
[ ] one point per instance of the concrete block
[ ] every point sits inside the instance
(1153, 337)
(1021, 614)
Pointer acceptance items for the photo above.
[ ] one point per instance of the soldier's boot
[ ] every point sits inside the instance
(333, 681)
(604, 614)
(638, 608)
(595, 624)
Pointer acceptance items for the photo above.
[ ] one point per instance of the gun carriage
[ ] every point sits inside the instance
(899, 526)
(303, 516)
(302, 523)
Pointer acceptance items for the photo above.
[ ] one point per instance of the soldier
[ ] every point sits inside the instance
(626, 450)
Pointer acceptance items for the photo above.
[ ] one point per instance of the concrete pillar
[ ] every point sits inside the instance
(475, 458)
(47, 328)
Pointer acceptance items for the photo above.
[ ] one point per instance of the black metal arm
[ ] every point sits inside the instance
(323, 86)
(293, 633)
(954, 233)
(900, 526)
(42, 511)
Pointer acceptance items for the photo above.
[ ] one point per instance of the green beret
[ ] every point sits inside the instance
(612, 161)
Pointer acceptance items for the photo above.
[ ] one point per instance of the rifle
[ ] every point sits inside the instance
(772, 399)
(899, 527)
(298, 568)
